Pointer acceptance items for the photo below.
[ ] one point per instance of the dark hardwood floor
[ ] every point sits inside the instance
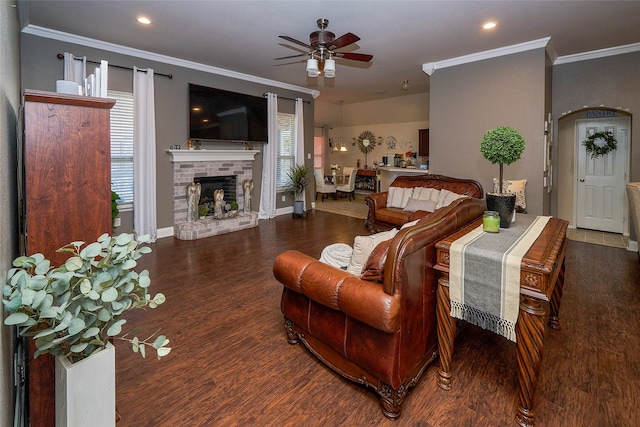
(231, 363)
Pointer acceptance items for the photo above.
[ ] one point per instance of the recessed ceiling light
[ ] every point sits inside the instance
(489, 25)
(143, 20)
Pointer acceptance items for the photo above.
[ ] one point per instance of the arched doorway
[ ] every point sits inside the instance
(598, 183)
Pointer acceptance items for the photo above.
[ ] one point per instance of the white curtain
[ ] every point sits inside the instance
(269, 159)
(144, 154)
(299, 124)
(75, 68)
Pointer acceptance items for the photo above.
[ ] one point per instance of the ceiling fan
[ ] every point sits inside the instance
(322, 47)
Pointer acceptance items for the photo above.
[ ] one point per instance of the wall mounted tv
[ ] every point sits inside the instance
(220, 115)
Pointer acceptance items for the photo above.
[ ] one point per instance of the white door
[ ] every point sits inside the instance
(601, 180)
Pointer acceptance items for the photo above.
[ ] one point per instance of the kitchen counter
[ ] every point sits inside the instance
(388, 173)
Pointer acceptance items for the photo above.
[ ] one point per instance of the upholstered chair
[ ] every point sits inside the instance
(322, 187)
(349, 187)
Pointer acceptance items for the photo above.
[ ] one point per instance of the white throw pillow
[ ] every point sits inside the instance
(337, 255)
(420, 205)
(516, 186)
(362, 248)
(397, 197)
(446, 197)
(426, 193)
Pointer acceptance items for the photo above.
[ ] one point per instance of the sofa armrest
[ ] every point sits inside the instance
(360, 299)
(376, 200)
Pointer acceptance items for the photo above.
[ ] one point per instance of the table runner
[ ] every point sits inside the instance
(484, 274)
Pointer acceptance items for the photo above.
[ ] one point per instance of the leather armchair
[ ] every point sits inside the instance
(378, 333)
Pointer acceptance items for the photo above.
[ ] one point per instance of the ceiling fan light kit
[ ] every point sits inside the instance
(330, 68)
(312, 67)
(322, 50)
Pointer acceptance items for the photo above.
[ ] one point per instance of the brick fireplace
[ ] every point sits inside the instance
(191, 164)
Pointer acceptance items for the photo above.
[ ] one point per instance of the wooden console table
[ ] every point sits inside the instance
(367, 180)
(541, 281)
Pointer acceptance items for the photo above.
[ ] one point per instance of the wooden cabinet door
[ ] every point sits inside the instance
(423, 142)
(67, 185)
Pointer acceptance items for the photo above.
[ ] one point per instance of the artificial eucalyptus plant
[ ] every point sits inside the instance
(74, 309)
(503, 145)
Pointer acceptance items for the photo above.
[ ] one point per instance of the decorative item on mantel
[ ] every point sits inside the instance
(247, 186)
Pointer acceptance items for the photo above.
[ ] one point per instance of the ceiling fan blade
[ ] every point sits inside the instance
(344, 40)
(292, 56)
(292, 40)
(354, 56)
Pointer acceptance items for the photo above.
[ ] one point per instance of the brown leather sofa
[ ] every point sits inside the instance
(382, 218)
(378, 333)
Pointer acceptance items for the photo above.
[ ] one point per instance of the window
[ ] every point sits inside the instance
(286, 148)
(122, 147)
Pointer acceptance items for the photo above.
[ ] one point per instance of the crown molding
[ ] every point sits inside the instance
(431, 67)
(137, 53)
(600, 53)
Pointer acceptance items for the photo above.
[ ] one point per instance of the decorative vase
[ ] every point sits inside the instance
(298, 207)
(504, 204)
(86, 390)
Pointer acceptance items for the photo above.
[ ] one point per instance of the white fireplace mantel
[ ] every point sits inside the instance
(211, 155)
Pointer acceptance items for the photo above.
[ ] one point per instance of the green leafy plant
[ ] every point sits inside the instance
(298, 179)
(74, 309)
(503, 145)
(203, 210)
(114, 204)
(234, 205)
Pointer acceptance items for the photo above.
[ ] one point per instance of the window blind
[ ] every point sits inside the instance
(122, 147)
(286, 147)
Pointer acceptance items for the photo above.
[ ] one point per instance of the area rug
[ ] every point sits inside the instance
(342, 206)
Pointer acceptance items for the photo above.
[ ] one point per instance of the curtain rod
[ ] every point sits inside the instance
(284, 97)
(170, 76)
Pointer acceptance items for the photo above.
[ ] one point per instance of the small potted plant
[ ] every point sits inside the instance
(73, 312)
(298, 179)
(202, 211)
(233, 208)
(114, 206)
(502, 145)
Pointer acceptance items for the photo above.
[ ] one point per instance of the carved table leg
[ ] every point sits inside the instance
(556, 296)
(529, 349)
(446, 332)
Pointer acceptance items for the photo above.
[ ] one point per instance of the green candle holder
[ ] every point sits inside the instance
(491, 222)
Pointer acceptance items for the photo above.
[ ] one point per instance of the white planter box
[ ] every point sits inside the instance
(86, 391)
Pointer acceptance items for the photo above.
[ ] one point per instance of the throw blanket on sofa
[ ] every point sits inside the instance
(484, 274)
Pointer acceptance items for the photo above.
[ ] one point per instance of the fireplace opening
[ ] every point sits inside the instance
(209, 184)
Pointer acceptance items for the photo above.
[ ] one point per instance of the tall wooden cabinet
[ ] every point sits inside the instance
(67, 196)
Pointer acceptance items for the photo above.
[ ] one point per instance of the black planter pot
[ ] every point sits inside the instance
(504, 204)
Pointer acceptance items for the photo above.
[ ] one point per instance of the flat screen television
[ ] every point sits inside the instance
(221, 115)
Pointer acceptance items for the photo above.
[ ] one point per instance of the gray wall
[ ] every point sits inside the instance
(9, 107)
(41, 69)
(469, 99)
(610, 82)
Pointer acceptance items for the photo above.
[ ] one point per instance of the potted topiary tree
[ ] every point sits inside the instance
(502, 145)
(298, 179)
(73, 312)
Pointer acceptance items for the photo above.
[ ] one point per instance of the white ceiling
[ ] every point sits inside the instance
(242, 36)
